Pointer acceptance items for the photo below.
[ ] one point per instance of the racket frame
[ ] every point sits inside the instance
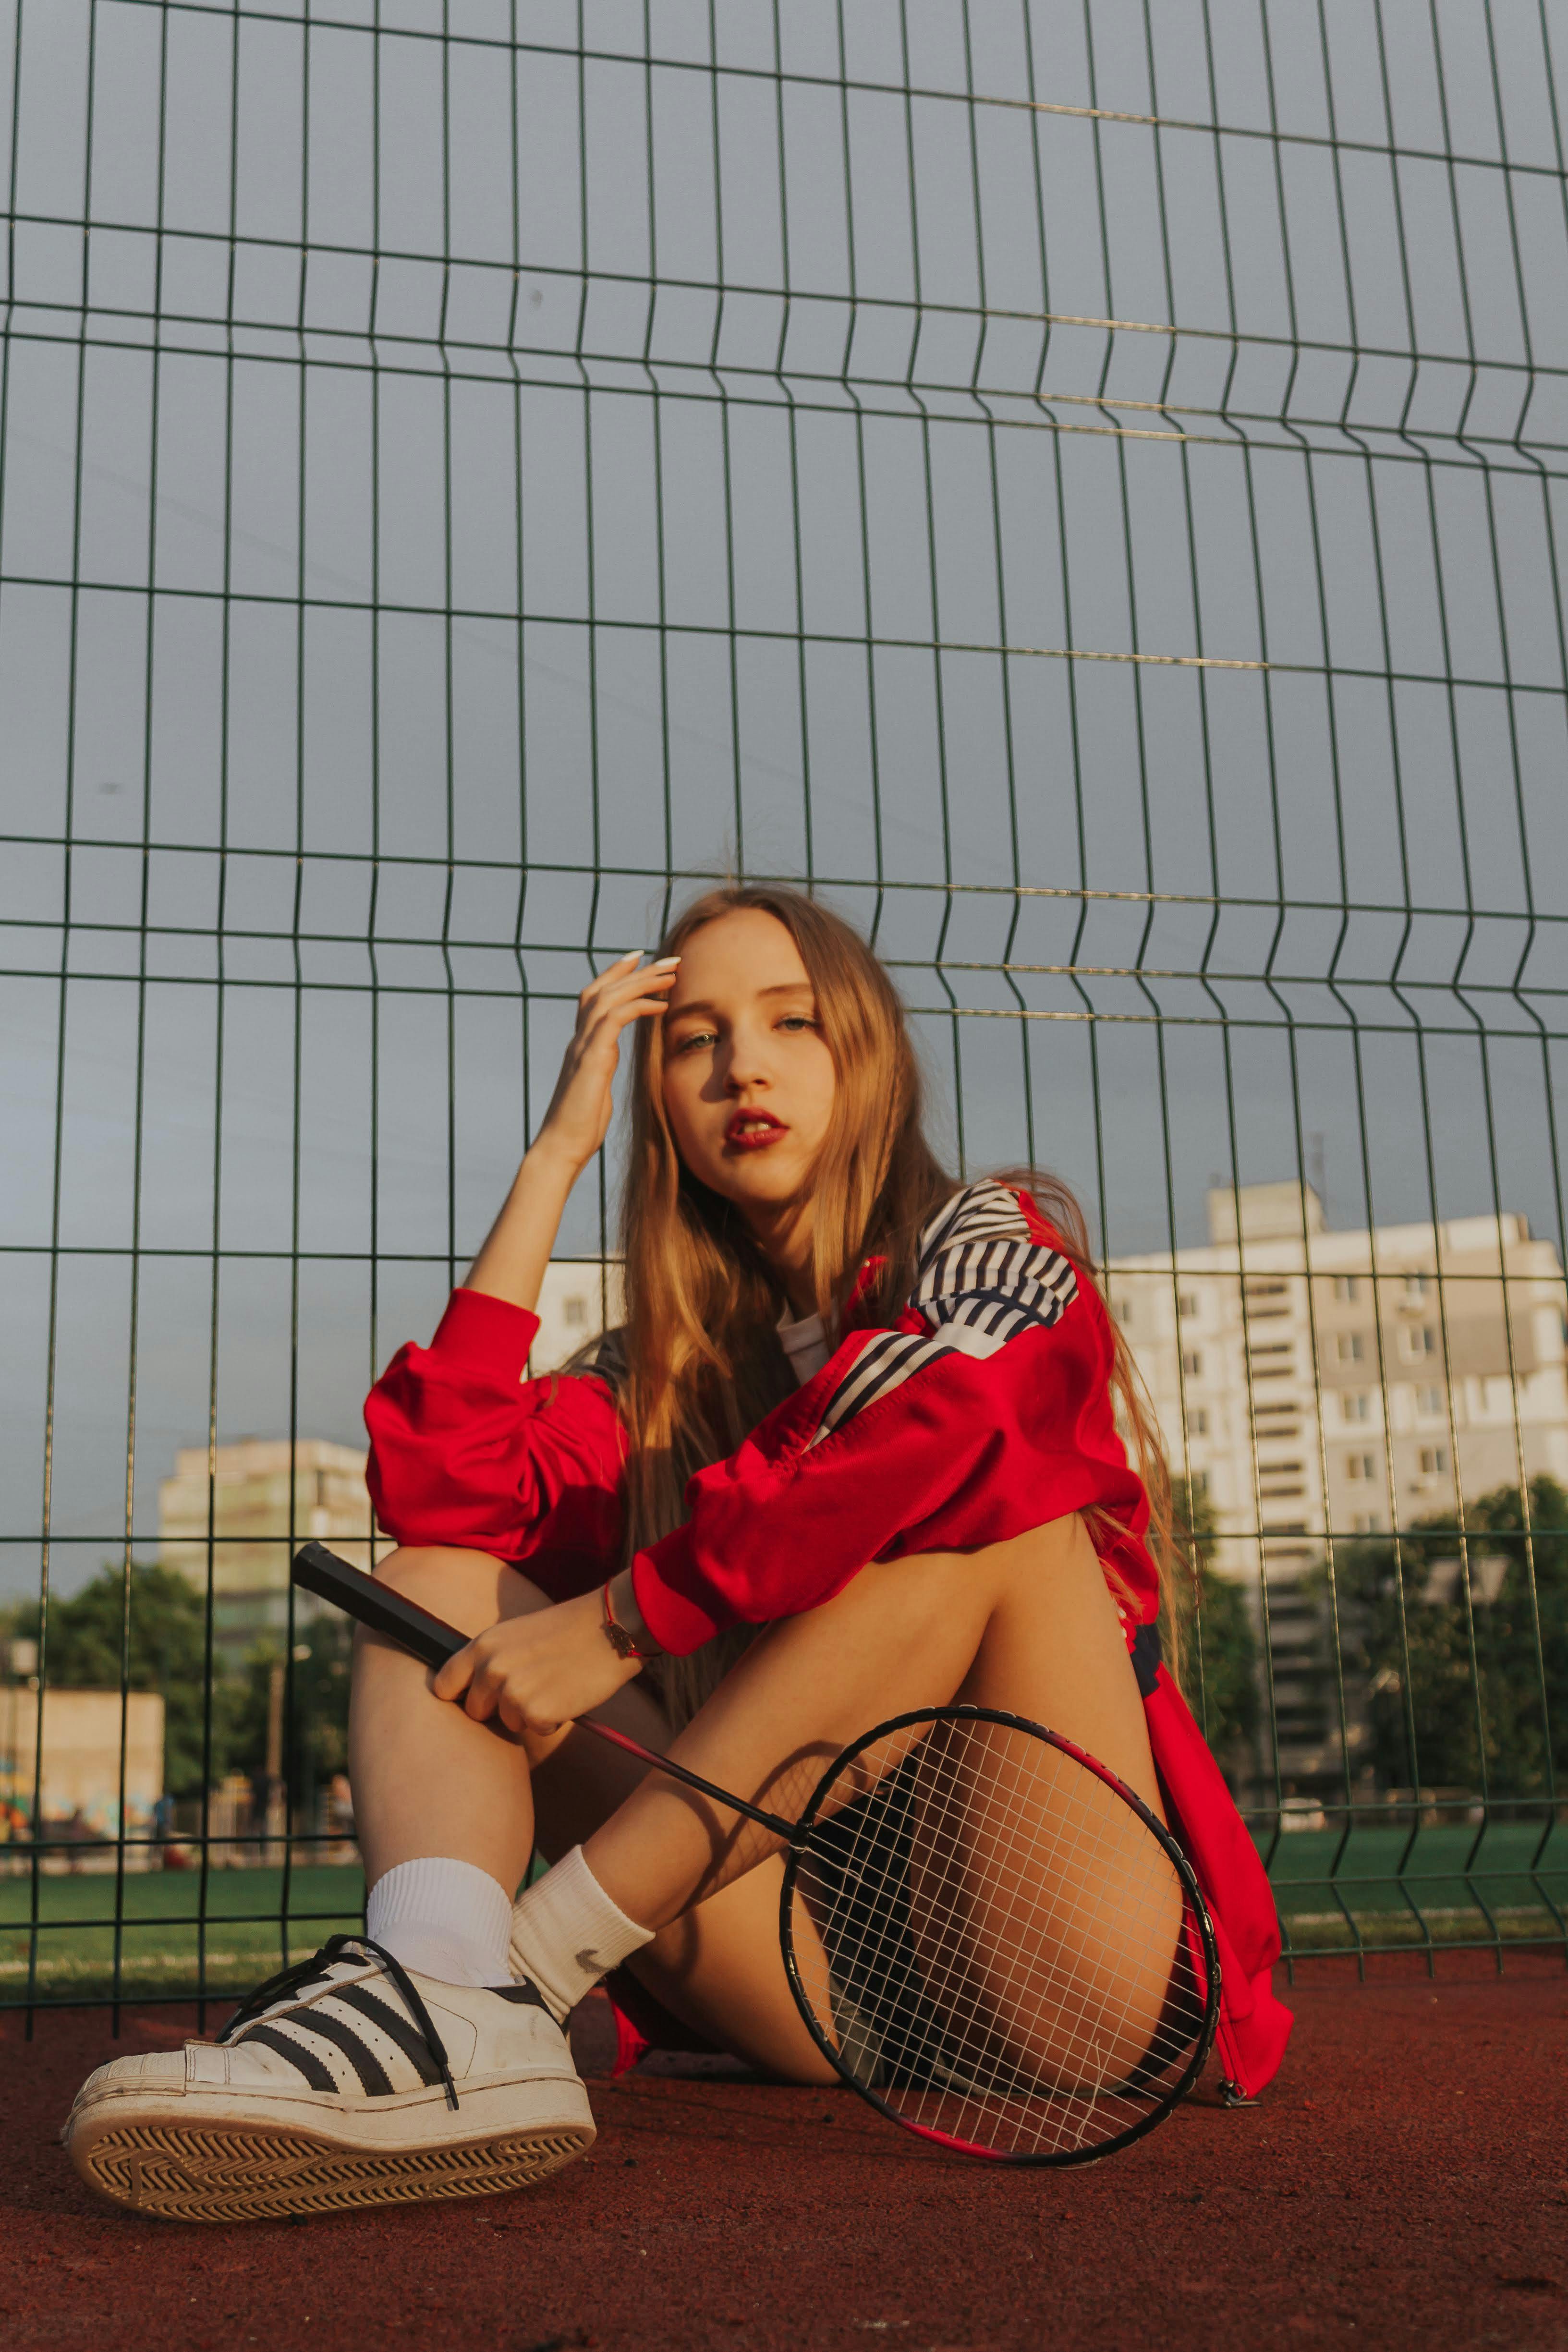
(800, 1845)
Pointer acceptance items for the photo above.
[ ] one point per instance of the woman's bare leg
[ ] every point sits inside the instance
(719, 1968)
(1028, 1626)
(428, 1780)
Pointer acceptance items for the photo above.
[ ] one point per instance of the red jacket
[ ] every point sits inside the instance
(982, 1411)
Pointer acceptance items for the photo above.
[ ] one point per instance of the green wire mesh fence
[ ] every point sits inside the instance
(1079, 481)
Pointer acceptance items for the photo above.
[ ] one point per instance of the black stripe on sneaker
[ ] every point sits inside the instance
(387, 2021)
(319, 2077)
(374, 2080)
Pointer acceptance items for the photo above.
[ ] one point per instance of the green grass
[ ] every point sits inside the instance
(159, 1936)
(1457, 1884)
(1446, 1875)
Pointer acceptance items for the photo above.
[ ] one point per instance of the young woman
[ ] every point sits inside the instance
(855, 1450)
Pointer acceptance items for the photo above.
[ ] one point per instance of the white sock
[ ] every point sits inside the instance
(450, 1920)
(566, 1934)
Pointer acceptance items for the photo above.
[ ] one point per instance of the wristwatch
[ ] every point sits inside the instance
(624, 1644)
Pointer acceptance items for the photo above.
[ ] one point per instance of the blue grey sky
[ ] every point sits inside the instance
(1080, 481)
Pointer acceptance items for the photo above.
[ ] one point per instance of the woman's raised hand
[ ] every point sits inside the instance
(511, 1263)
(578, 1118)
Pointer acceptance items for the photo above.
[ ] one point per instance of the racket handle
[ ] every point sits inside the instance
(432, 1640)
(385, 1611)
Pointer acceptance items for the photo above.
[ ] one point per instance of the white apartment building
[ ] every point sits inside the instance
(1312, 1381)
(244, 1511)
(578, 1298)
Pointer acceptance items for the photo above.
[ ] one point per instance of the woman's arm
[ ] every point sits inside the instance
(986, 1411)
(967, 1452)
(464, 1449)
(516, 1250)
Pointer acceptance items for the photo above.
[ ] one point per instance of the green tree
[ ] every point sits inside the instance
(1214, 1640)
(163, 1649)
(1458, 1681)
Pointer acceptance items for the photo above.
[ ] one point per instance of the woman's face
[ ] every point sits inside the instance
(748, 1080)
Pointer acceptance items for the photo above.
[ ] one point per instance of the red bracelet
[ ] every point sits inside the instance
(619, 1640)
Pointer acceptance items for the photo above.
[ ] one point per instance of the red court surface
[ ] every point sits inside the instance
(1404, 2183)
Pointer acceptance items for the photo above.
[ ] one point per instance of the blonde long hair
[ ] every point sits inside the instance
(702, 1363)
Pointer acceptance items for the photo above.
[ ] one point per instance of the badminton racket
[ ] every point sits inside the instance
(988, 1935)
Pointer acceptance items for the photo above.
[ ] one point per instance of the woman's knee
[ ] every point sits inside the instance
(469, 1589)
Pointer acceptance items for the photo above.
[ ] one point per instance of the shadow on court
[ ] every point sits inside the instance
(1405, 2183)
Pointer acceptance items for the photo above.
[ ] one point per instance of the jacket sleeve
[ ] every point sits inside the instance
(984, 1412)
(465, 1450)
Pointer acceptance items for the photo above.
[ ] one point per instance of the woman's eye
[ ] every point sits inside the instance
(698, 1037)
(798, 1021)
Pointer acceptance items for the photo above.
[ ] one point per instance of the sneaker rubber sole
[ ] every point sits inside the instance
(177, 2167)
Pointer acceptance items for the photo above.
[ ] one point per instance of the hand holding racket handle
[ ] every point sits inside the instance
(987, 1934)
(432, 1640)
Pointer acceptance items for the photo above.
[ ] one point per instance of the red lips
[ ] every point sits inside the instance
(753, 1130)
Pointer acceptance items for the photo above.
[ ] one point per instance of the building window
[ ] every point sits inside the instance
(1187, 1303)
(1360, 1465)
(1365, 1523)
(1434, 1461)
(1122, 1310)
(1420, 1339)
(1355, 1405)
(1417, 1285)
(1428, 1399)
(1197, 1482)
(1192, 1363)
(1346, 1288)
(1350, 1347)
(575, 1311)
(1200, 1421)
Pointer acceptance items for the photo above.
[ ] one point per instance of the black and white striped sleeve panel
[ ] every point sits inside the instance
(983, 1279)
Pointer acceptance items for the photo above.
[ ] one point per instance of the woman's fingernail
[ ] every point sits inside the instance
(664, 962)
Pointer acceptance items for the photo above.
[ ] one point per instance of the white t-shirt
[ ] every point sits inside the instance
(806, 1344)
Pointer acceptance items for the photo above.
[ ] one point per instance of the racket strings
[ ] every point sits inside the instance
(1033, 1865)
(1080, 2022)
(1084, 2012)
(1081, 2027)
(1068, 1834)
(1006, 1951)
(956, 2046)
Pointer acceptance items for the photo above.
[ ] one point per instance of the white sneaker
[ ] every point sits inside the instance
(343, 2081)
